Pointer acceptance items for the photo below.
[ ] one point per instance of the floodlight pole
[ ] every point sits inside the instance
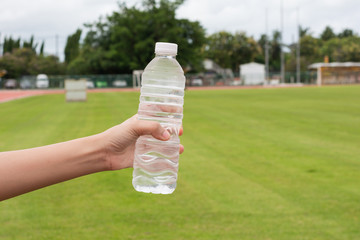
(1, 46)
(298, 50)
(57, 45)
(282, 43)
(266, 48)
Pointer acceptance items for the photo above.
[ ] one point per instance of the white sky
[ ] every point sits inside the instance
(47, 18)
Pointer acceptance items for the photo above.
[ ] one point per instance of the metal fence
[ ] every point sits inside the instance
(308, 77)
(198, 79)
(93, 81)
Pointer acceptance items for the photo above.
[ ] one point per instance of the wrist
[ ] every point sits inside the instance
(97, 151)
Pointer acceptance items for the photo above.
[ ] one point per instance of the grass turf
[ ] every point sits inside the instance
(258, 164)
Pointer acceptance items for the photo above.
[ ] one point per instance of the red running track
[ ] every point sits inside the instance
(8, 95)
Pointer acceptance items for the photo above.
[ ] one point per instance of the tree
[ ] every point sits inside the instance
(220, 48)
(304, 31)
(246, 49)
(13, 65)
(275, 51)
(16, 62)
(327, 34)
(25, 61)
(229, 51)
(342, 49)
(346, 33)
(125, 40)
(45, 64)
(41, 52)
(30, 44)
(10, 44)
(72, 47)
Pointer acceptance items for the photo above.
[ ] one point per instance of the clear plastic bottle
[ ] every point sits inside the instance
(162, 96)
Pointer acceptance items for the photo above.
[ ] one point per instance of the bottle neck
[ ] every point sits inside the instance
(162, 55)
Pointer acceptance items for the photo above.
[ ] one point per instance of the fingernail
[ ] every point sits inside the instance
(166, 135)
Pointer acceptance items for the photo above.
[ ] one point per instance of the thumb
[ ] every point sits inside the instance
(144, 127)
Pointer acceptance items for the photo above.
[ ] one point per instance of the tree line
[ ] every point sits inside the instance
(124, 41)
(20, 57)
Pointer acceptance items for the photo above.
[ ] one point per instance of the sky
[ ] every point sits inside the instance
(52, 21)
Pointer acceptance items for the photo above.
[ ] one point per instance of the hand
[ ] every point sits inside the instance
(120, 140)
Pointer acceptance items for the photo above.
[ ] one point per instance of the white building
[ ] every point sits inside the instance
(252, 73)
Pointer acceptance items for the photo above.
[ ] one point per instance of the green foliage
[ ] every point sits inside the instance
(327, 34)
(303, 31)
(41, 52)
(258, 164)
(17, 63)
(125, 40)
(30, 44)
(220, 48)
(310, 49)
(72, 46)
(10, 44)
(46, 64)
(344, 47)
(24, 61)
(78, 66)
(229, 50)
(275, 51)
(346, 33)
(14, 66)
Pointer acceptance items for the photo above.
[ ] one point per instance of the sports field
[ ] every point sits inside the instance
(258, 164)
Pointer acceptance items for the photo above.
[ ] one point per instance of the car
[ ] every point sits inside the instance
(196, 82)
(119, 83)
(90, 84)
(101, 84)
(26, 83)
(42, 81)
(10, 84)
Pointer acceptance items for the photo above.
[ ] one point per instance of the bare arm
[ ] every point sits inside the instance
(27, 170)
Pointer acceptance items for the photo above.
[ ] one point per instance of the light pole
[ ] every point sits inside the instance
(298, 50)
(266, 48)
(281, 43)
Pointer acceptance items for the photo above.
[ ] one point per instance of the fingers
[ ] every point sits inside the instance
(181, 150)
(181, 131)
(143, 127)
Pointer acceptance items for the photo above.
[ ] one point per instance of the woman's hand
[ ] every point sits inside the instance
(30, 169)
(119, 141)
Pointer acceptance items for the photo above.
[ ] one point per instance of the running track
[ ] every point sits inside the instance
(9, 95)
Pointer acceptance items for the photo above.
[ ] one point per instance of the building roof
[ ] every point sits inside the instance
(252, 64)
(211, 65)
(334, 64)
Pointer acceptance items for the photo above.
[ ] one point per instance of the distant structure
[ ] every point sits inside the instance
(75, 90)
(252, 73)
(136, 77)
(212, 70)
(336, 72)
(210, 65)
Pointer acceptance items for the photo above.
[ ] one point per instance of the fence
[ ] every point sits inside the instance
(199, 79)
(93, 81)
(308, 77)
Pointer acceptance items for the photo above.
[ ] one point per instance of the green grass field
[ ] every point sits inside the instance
(258, 164)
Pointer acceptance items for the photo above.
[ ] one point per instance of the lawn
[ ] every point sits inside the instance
(258, 164)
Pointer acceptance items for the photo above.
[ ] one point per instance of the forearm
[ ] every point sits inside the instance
(27, 170)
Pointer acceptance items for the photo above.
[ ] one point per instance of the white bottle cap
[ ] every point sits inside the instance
(166, 48)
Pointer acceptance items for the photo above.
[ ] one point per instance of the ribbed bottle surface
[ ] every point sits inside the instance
(162, 96)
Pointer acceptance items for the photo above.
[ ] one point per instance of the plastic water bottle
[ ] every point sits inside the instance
(162, 96)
